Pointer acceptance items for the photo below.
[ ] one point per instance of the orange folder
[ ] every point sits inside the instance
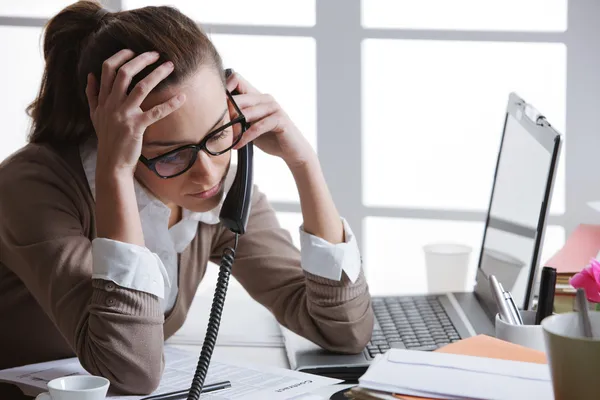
(486, 346)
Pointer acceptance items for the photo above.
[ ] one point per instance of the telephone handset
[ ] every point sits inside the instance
(234, 215)
(236, 208)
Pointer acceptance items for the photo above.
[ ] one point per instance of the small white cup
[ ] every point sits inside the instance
(528, 334)
(447, 267)
(77, 387)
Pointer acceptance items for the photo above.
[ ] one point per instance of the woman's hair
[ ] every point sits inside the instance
(82, 36)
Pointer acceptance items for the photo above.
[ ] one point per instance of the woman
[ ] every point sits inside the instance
(101, 253)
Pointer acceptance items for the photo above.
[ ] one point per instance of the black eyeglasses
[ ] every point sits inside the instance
(219, 141)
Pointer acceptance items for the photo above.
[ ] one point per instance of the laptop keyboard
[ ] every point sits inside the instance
(414, 323)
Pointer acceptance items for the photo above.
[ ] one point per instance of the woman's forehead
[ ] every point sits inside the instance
(204, 104)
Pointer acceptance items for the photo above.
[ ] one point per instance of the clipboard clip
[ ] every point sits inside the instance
(532, 114)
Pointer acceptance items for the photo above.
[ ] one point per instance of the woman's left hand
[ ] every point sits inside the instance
(271, 129)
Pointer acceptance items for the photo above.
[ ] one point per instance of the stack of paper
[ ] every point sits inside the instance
(249, 382)
(450, 376)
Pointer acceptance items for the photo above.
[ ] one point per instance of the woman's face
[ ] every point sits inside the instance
(201, 187)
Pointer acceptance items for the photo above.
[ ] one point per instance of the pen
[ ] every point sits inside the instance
(512, 306)
(183, 394)
(584, 317)
(503, 309)
(546, 297)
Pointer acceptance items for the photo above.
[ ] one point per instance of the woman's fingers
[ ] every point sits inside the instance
(127, 71)
(236, 81)
(145, 86)
(268, 124)
(91, 92)
(109, 71)
(162, 110)
(259, 111)
(252, 99)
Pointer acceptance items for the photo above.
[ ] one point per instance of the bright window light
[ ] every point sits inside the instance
(433, 113)
(483, 15)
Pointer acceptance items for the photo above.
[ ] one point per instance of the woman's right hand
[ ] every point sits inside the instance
(118, 118)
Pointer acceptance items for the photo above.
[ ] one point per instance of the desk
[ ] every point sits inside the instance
(242, 318)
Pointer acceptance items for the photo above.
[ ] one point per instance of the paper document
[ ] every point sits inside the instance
(452, 376)
(248, 382)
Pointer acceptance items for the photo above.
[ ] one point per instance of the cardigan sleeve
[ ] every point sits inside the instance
(116, 332)
(335, 314)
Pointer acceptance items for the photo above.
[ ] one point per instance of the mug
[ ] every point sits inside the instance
(76, 387)
(574, 359)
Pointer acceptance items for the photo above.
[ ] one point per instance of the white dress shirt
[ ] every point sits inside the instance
(154, 268)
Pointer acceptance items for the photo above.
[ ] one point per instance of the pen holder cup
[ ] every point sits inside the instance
(528, 334)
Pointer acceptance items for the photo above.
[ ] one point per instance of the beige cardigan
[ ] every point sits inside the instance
(51, 308)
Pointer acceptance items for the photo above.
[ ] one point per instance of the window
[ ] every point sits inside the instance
(489, 15)
(446, 116)
(234, 12)
(20, 81)
(33, 8)
(410, 106)
(434, 91)
(394, 249)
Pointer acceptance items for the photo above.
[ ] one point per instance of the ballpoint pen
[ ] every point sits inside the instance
(514, 310)
(503, 308)
(183, 394)
(584, 317)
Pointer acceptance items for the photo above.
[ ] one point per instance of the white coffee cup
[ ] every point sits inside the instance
(528, 334)
(447, 267)
(77, 387)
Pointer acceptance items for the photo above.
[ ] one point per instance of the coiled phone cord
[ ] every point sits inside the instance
(214, 321)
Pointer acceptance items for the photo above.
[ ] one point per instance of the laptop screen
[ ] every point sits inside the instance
(517, 208)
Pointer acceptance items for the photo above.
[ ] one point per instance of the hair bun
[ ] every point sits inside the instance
(100, 14)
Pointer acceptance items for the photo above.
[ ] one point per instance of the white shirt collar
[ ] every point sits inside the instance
(89, 155)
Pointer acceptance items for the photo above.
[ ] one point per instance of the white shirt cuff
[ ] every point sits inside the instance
(129, 265)
(327, 260)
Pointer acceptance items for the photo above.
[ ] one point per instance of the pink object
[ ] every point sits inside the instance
(582, 244)
(589, 280)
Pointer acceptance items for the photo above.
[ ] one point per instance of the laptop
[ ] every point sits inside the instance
(510, 250)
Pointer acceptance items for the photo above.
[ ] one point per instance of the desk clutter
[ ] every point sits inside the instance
(574, 264)
(486, 368)
(479, 367)
(244, 381)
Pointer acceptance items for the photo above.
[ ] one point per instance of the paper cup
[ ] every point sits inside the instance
(447, 267)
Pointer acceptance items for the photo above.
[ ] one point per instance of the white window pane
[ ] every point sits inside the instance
(20, 83)
(291, 79)
(433, 113)
(291, 221)
(488, 15)
(244, 12)
(394, 258)
(33, 8)
(554, 240)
